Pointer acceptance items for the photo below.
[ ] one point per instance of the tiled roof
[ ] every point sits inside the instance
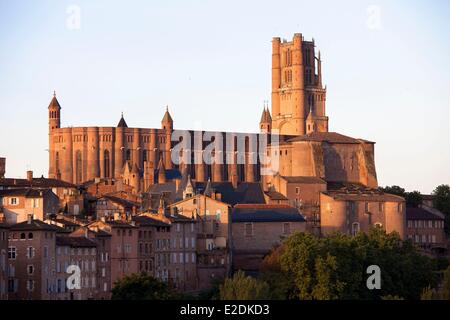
(420, 214)
(364, 196)
(77, 242)
(148, 221)
(275, 195)
(4, 225)
(350, 191)
(119, 224)
(330, 137)
(304, 179)
(34, 225)
(123, 202)
(54, 103)
(24, 192)
(266, 213)
(35, 183)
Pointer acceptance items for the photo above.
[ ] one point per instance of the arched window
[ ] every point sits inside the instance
(128, 155)
(78, 167)
(30, 235)
(106, 165)
(22, 236)
(355, 228)
(378, 225)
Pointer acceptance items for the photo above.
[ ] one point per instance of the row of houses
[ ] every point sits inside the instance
(61, 241)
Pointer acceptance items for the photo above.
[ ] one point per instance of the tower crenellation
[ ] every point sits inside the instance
(296, 86)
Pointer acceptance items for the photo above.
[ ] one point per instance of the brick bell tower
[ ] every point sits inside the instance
(54, 123)
(297, 87)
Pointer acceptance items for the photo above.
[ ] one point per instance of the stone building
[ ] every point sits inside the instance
(102, 240)
(80, 252)
(19, 203)
(425, 227)
(70, 197)
(153, 237)
(212, 217)
(109, 205)
(351, 208)
(31, 256)
(123, 256)
(257, 229)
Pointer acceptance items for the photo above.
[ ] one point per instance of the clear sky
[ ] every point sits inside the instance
(386, 65)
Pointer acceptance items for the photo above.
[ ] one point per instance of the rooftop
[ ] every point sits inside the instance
(35, 183)
(77, 242)
(421, 214)
(266, 213)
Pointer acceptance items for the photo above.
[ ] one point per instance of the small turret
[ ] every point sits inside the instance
(161, 172)
(188, 191)
(54, 113)
(310, 122)
(167, 121)
(122, 123)
(266, 120)
(208, 189)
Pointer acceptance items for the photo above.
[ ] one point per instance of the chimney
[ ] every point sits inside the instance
(218, 196)
(30, 175)
(86, 233)
(29, 218)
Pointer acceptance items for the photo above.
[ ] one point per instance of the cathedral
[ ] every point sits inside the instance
(313, 165)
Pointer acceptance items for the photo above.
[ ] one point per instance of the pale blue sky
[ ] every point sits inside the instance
(210, 61)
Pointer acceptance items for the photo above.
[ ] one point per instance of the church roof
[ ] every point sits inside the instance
(330, 137)
(265, 117)
(122, 123)
(54, 103)
(167, 117)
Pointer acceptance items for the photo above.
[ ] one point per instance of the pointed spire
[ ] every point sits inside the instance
(167, 117)
(208, 188)
(310, 114)
(269, 117)
(54, 104)
(161, 171)
(263, 116)
(122, 123)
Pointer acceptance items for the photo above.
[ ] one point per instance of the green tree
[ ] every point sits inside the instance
(280, 283)
(399, 191)
(413, 199)
(242, 287)
(334, 267)
(442, 203)
(141, 287)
